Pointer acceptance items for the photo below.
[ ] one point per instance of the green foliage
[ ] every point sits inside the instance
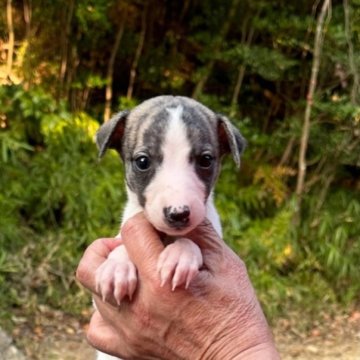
(332, 239)
(126, 104)
(57, 199)
(268, 63)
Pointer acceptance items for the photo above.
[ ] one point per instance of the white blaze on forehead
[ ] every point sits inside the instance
(175, 183)
(176, 143)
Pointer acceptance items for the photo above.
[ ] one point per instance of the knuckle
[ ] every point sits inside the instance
(81, 272)
(91, 336)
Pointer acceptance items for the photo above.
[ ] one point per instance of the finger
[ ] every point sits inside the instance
(142, 243)
(93, 257)
(102, 336)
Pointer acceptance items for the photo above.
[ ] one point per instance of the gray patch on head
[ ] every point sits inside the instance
(150, 143)
(201, 132)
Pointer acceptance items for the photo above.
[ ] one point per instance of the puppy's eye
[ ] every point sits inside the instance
(142, 162)
(205, 161)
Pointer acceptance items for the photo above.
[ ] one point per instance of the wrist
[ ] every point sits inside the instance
(266, 351)
(242, 343)
(259, 351)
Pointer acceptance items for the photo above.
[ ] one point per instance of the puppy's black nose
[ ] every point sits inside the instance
(177, 217)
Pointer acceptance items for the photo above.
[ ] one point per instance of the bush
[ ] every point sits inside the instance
(57, 199)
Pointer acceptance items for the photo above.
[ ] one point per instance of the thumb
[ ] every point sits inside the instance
(142, 243)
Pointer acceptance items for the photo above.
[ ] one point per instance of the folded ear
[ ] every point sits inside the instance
(111, 133)
(230, 139)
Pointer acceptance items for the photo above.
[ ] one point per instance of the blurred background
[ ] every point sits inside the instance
(288, 75)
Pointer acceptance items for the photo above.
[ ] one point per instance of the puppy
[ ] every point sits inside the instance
(171, 149)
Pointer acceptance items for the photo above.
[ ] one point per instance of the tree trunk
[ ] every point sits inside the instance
(216, 50)
(73, 64)
(138, 51)
(237, 88)
(246, 39)
(354, 96)
(287, 153)
(27, 18)
(184, 10)
(309, 102)
(10, 53)
(65, 50)
(110, 69)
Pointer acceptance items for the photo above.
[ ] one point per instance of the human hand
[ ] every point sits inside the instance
(217, 317)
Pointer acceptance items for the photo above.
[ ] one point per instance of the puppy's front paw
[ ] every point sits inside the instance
(116, 278)
(180, 260)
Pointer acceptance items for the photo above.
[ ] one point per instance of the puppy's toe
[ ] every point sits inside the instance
(125, 280)
(115, 280)
(185, 272)
(104, 279)
(180, 262)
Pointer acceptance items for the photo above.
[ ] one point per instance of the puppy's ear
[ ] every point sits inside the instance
(230, 139)
(111, 133)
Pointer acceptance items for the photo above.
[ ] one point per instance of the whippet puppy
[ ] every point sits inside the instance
(171, 149)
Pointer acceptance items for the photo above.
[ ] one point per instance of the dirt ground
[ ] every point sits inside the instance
(327, 338)
(56, 336)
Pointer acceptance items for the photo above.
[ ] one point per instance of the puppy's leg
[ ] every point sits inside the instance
(116, 277)
(180, 261)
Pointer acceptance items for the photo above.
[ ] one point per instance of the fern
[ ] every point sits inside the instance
(272, 180)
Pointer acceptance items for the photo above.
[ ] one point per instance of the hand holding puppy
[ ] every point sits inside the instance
(217, 317)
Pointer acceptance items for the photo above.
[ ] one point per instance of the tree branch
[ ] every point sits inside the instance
(216, 49)
(110, 69)
(138, 52)
(318, 42)
(10, 54)
(356, 81)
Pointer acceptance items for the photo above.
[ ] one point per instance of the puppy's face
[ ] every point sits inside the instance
(171, 148)
(171, 167)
